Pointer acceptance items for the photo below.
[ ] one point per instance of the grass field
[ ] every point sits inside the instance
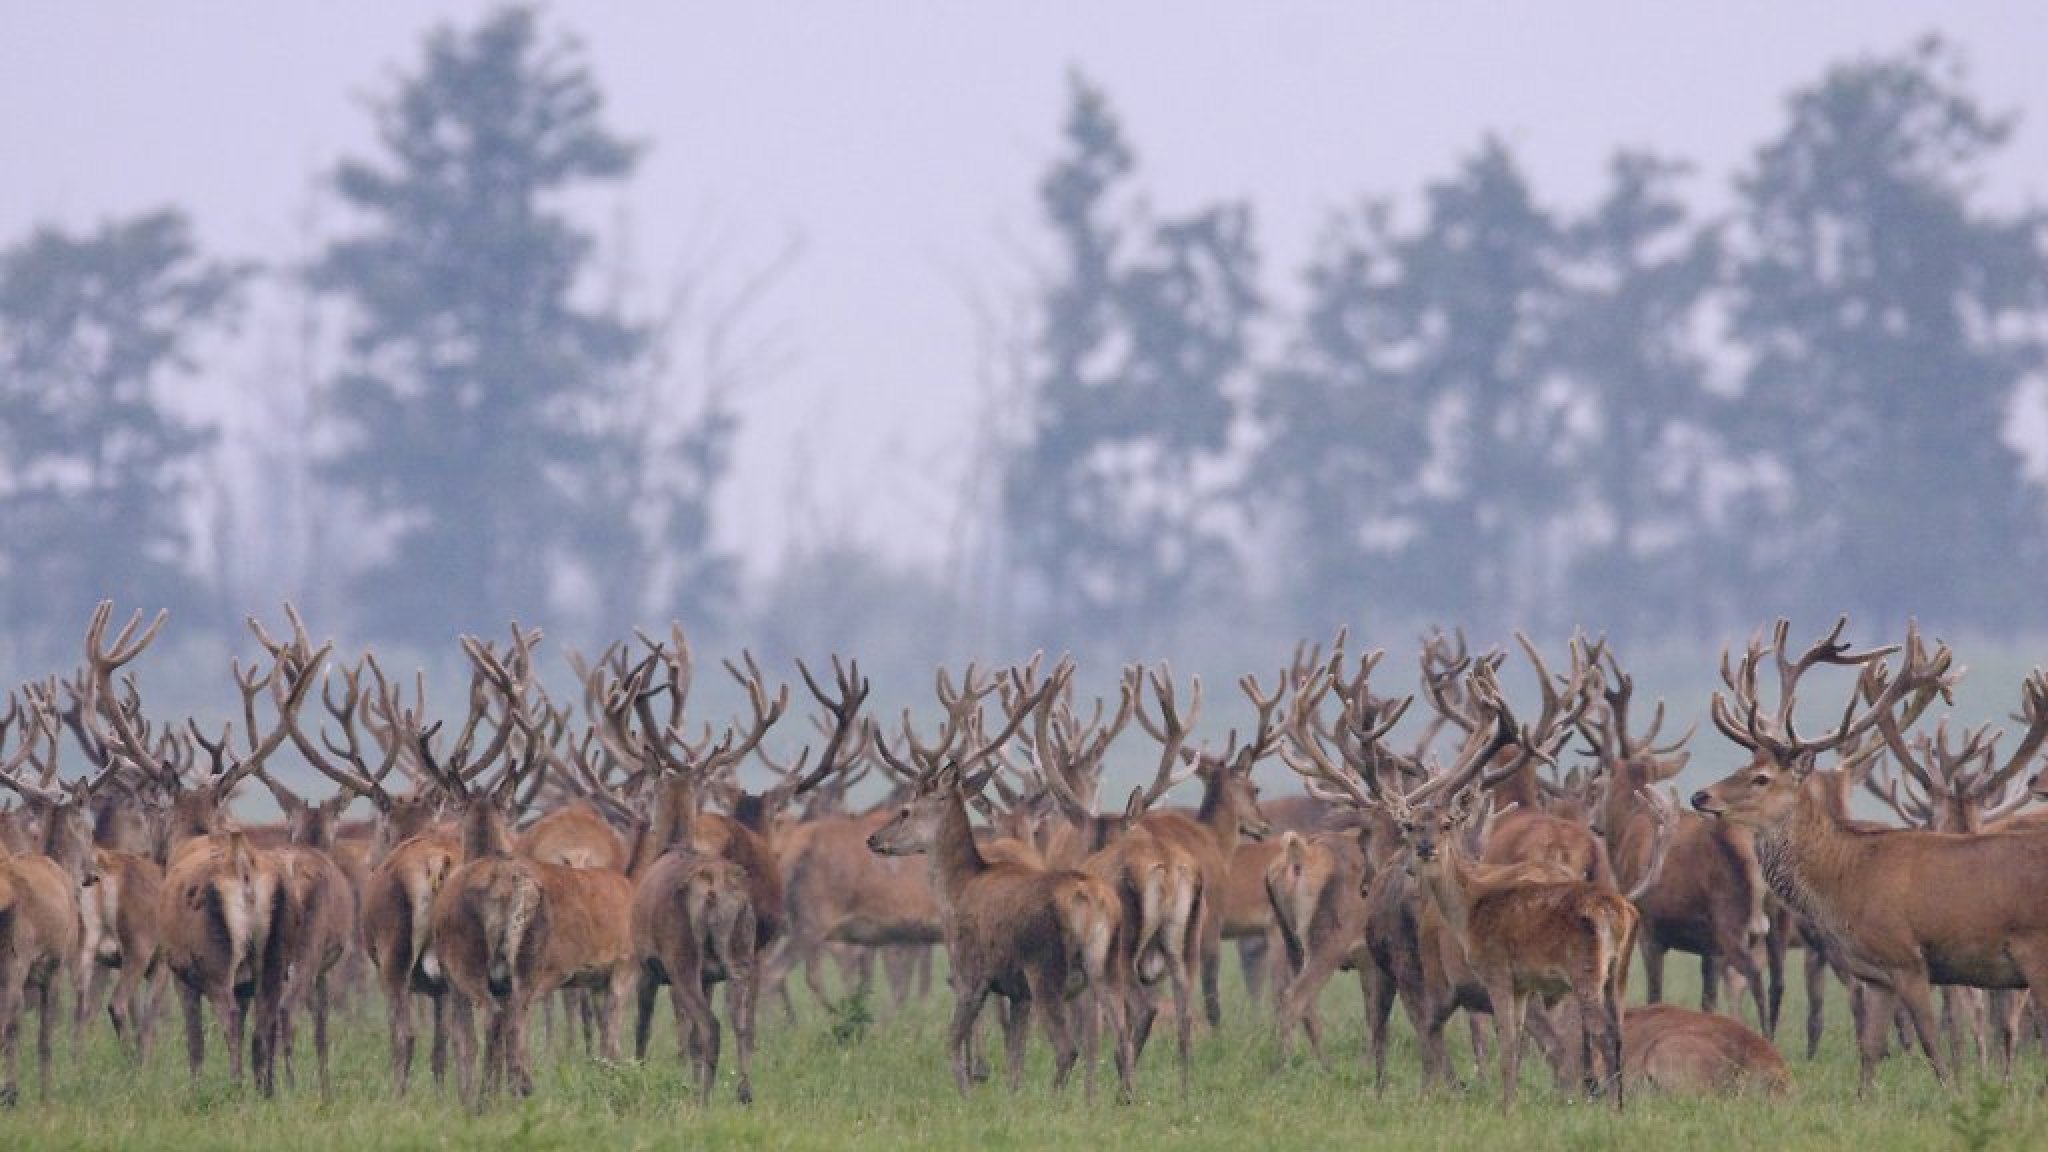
(890, 1089)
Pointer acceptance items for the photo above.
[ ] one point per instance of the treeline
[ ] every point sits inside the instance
(1475, 405)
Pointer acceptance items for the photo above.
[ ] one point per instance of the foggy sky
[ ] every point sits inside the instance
(902, 142)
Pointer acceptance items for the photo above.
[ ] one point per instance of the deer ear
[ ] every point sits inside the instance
(1134, 808)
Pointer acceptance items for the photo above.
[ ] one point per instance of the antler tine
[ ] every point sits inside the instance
(2034, 714)
(1059, 769)
(736, 748)
(1266, 736)
(37, 726)
(1502, 731)
(853, 691)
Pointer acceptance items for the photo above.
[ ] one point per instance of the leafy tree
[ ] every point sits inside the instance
(493, 438)
(1346, 437)
(96, 332)
(1885, 310)
(1640, 271)
(1145, 330)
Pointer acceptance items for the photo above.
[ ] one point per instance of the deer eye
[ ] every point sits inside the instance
(1761, 779)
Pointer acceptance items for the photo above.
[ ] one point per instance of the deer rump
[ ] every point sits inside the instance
(1013, 919)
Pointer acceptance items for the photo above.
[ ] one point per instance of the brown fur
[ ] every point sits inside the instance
(39, 935)
(574, 836)
(1678, 1050)
(509, 931)
(397, 936)
(1036, 938)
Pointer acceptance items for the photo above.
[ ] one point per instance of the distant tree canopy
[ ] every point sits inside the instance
(95, 465)
(1476, 405)
(493, 429)
(1145, 328)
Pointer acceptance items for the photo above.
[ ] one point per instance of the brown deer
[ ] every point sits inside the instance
(221, 906)
(1158, 882)
(1525, 933)
(409, 857)
(1037, 938)
(694, 921)
(1677, 1050)
(1709, 900)
(39, 913)
(1910, 908)
(508, 931)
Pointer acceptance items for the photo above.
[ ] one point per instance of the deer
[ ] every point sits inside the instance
(1158, 882)
(508, 930)
(1709, 900)
(409, 857)
(1679, 1051)
(694, 921)
(39, 896)
(1526, 932)
(220, 916)
(1211, 834)
(1944, 787)
(1910, 908)
(1035, 937)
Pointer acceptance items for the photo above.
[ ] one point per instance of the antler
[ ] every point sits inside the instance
(1743, 722)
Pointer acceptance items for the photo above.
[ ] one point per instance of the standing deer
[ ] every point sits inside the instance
(1036, 938)
(1158, 882)
(1910, 908)
(39, 914)
(1526, 933)
(508, 931)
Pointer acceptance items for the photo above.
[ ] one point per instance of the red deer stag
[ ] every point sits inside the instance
(1910, 908)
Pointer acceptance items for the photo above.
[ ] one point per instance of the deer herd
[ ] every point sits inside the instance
(580, 854)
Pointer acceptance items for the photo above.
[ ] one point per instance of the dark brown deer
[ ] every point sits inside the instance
(1709, 900)
(1910, 908)
(1037, 938)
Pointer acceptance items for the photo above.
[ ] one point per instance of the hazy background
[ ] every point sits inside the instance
(833, 227)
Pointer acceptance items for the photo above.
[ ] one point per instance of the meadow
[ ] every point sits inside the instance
(833, 1079)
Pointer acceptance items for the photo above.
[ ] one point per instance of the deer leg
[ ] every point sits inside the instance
(1917, 995)
(646, 990)
(195, 1029)
(1653, 970)
(1816, 969)
(320, 1008)
(1710, 981)
(2004, 1010)
(1048, 989)
(967, 1001)
(10, 1037)
(1254, 956)
(461, 1021)
(1774, 974)
(46, 1027)
(1378, 986)
(741, 992)
(441, 1009)
(398, 1016)
(1743, 961)
(1507, 1018)
(1016, 1018)
(87, 988)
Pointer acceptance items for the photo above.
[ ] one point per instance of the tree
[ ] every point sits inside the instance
(493, 441)
(1640, 270)
(1144, 332)
(1884, 308)
(1346, 437)
(95, 332)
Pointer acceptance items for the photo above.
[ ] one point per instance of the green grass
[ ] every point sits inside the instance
(887, 1087)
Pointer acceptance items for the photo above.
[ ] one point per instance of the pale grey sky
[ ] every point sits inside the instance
(903, 141)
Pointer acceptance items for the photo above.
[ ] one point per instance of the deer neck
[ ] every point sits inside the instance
(1521, 787)
(65, 842)
(484, 833)
(1806, 857)
(956, 858)
(1218, 812)
(1449, 882)
(672, 825)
